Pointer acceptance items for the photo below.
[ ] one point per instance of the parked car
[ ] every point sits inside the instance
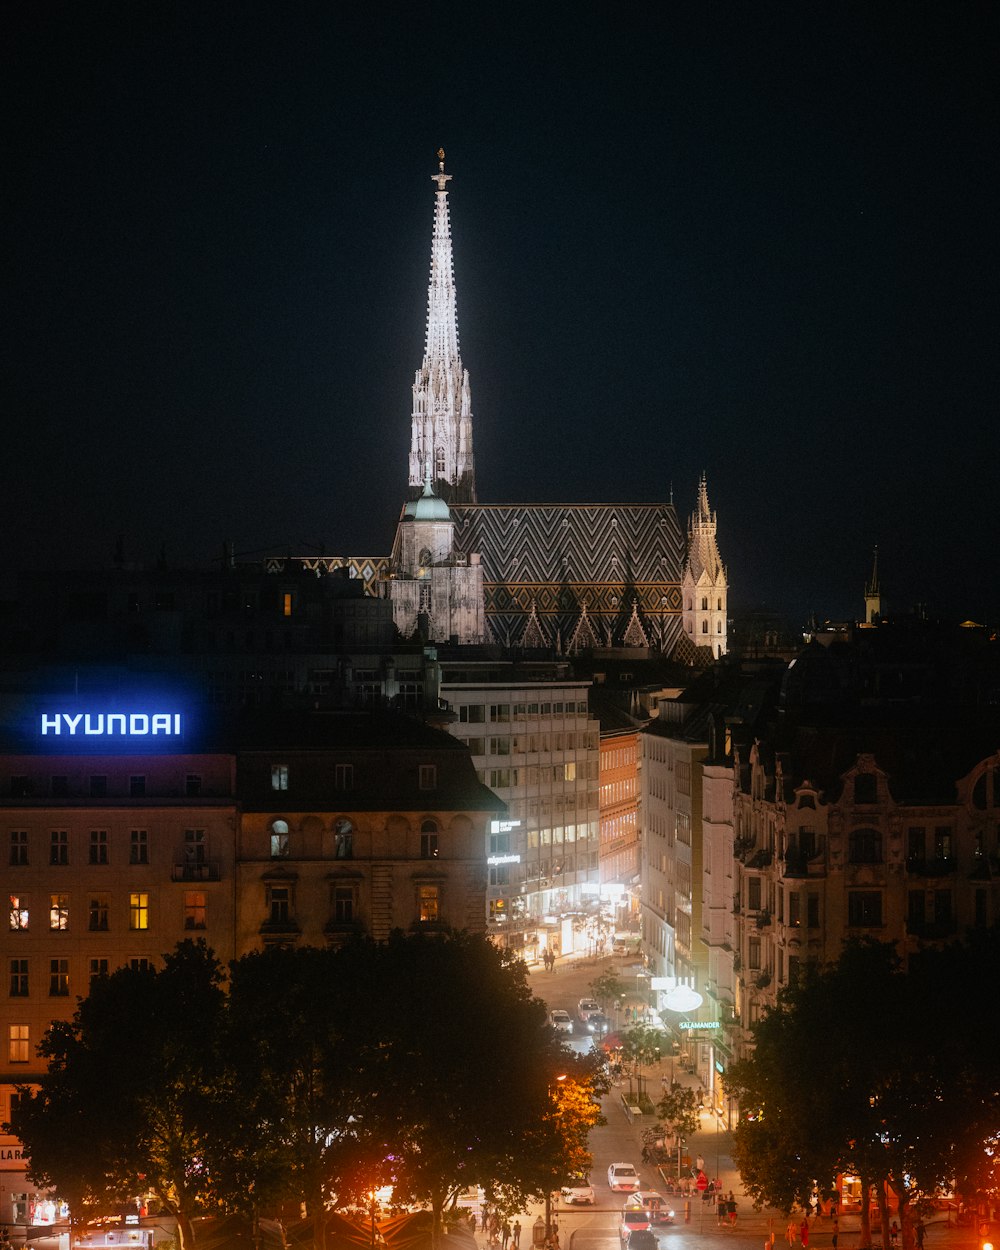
(561, 1021)
(623, 1176)
(579, 1190)
(640, 1239)
(587, 1007)
(657, 1208)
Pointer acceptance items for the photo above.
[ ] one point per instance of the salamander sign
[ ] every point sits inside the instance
(105, 724)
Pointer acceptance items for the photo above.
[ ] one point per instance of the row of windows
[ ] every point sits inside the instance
(98, 910)
(55, 974)
(343, 846)
(280, 903)
(704, 604)
(19, 1047)
(521, 744)
(617, 757)
(501, 713)
(96, 786)
(343, 776)
(617, 791)
(98, 847)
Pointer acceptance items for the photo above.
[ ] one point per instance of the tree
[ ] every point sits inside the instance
(608, 988)
(843, 1079)
(125, 1105)
(642, 1046)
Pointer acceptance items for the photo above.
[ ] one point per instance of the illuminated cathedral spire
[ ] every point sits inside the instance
(441, 432)
(704, 586)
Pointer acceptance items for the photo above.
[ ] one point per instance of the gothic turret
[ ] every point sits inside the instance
(441, 431)
(704, 585)
(873, 596)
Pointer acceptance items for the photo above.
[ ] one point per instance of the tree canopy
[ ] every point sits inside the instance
(867, 1069)
(422, 1062)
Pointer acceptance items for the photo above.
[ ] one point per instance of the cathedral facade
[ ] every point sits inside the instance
(573, 577)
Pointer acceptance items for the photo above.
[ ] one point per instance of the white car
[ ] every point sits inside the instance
(587, 1007)
(624, 1177)
(561, 1021)
(579, 1191)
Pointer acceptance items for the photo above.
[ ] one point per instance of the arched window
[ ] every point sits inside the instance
(279, 839)
(343, 833)
(704, 627)
(720, 604)
(718, 627)
(429, 840)
(439, 462)
(704, 603)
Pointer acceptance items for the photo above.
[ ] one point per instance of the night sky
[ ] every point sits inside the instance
(755, 239)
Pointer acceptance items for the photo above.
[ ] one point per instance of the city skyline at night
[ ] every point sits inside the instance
(757, 244)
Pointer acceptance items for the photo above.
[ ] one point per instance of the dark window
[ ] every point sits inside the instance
(944, 905)
(137, 787)
(59, 847)
(343, 776)
(942, 842)
(981, 912)
(19, 978)
(192, 785)
(812, 911)
(20, 787)
(98, 846)
(138, 852)
(866, 846)
(915, 908)
(864, 908)
(753, 893)
(343, 904)
(18, 848)
(279, 904)
(58, 978)
(98, 913)
(59, 786)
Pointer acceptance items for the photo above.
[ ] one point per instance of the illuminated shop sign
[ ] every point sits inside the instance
(699, 1024)
(105, 724)
(504, 826)
(494, 860)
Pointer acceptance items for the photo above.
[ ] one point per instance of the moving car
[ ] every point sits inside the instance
(587, 1007)
(623, 1176)
(579, 1190)
(634, 1218)
(598, 1024)
(561, 1021)
(656, 1208)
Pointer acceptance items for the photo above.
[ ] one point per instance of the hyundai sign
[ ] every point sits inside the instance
(111, 724)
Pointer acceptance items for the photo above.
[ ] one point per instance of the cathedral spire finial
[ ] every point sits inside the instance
(441, 178)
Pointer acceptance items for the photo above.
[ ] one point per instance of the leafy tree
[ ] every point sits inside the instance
(642, 1046)
(125, 1104)
(608, 988)
(842, 1079)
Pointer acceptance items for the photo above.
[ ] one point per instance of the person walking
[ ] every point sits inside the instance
(894, 1233)
(804, 1232)
(792, 1233)
(919, 1231)
(515, 1233)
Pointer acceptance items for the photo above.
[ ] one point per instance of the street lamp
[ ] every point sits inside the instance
(548, 1192)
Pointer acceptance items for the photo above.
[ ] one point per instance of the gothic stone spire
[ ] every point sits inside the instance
(441, 431)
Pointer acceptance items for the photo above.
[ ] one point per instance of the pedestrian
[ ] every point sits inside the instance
(516, 1234)
(893, 1232)
(919, 1230)
(792, 1233)
(804, 1231)
(472, 1221)
(505, 1234)
(833, 1240)
(555, 1229)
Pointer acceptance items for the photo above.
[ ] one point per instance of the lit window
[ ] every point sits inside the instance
(428, 902)
(195, 910)
(279, 776)
(279, 839)
(58, 911)
(138, 847)
(286, 604)
(18, 912)
(98, 846)
(17, 1043)
(58, 978)
(138, 911)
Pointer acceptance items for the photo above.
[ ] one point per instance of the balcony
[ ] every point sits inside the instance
(210, 870)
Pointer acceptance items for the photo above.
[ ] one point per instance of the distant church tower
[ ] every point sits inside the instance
(873, 596)
(441, 432)
(704, 586)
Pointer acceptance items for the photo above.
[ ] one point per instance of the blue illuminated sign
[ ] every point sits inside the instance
(103, 724)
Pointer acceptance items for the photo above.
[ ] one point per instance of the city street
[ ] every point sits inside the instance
(596, 1228)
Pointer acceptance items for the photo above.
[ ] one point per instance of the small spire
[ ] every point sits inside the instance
(441, 178)
(428, 489)
(872, 589)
